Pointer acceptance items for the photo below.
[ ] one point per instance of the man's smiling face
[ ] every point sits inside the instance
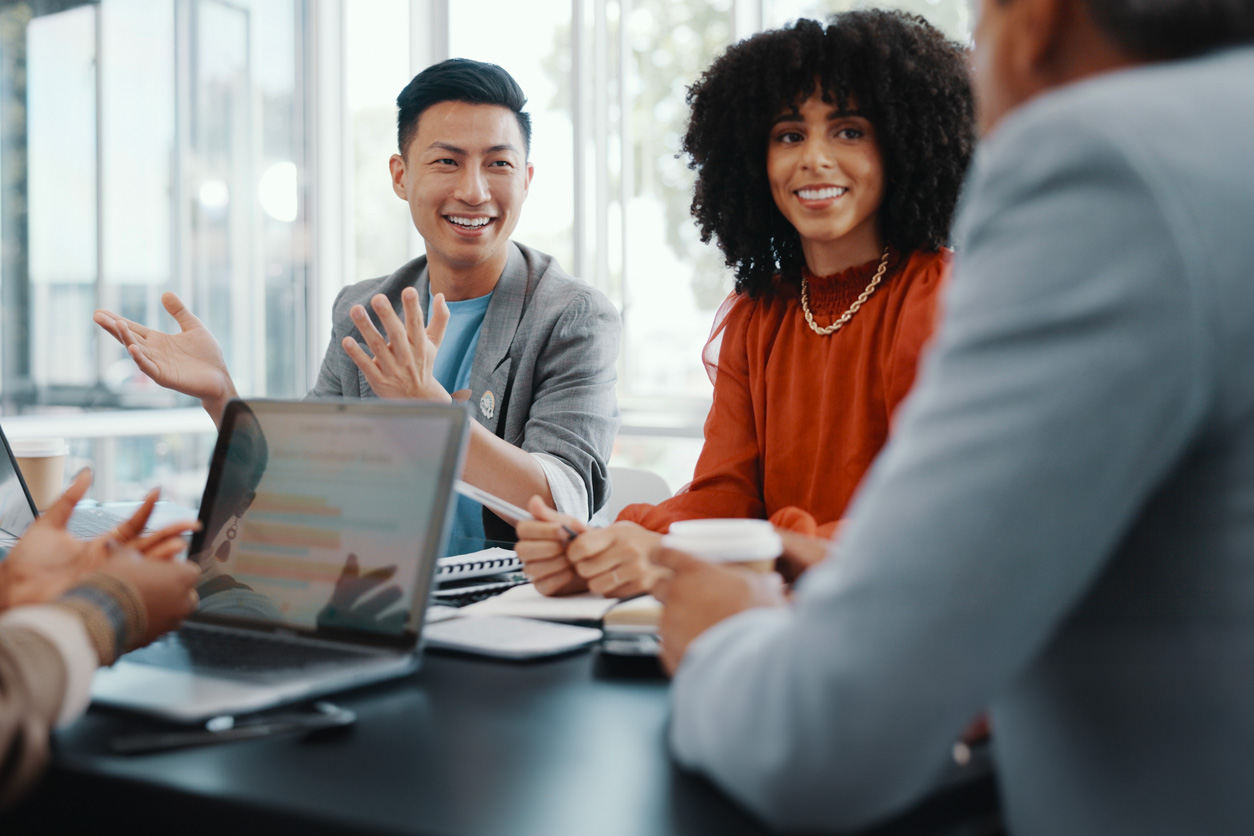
(465, 176)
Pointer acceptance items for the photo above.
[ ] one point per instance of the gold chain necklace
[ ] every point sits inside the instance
(853, 309)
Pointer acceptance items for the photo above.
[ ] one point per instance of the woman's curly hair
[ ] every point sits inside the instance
(904, 76)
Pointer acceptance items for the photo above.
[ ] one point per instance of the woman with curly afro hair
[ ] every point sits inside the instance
(829, 161)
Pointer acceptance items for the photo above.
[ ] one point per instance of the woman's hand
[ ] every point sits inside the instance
(542, 545)
(167, 588)
(614, 561)
(48, 560)
(611, 561)
(163, 544)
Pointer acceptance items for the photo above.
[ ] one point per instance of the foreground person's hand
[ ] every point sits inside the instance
(800, 553)
(166, 588)
(165, 543)
(696, 595)
(48, 560)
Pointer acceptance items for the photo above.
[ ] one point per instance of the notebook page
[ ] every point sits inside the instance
(525, 602)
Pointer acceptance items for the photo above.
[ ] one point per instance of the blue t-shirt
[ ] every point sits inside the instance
(452, 369)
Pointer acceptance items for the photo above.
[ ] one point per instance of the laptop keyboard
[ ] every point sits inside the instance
(238, 653)
(87, 523)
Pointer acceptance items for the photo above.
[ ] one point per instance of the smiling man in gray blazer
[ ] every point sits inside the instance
(478, 318)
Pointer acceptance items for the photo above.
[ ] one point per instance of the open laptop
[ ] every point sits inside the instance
(321, 525)
(17, 508)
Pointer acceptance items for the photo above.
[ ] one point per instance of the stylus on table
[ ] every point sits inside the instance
(500, 506)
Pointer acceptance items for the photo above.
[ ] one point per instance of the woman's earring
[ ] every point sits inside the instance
(231, 532)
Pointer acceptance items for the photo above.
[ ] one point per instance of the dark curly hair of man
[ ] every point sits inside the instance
(902, 74)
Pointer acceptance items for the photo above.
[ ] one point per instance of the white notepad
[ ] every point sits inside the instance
(525, 602)
(509, 638)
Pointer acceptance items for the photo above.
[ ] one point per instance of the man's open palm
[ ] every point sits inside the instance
(189, 361)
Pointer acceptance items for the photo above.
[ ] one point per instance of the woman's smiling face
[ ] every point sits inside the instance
(827, 178)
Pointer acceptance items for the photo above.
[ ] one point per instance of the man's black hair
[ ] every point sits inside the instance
(459, 80)
(1166, 29)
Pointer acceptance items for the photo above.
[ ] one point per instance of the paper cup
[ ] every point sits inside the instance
(42, 462)
(748, 544)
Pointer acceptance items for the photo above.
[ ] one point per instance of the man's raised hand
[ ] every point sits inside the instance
(402, 364)
(189, 361)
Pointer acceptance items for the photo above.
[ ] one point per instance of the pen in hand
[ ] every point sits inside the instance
(501, 507)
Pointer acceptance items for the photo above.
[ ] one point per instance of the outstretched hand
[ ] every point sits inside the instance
(48, 560)
(190, 361)
(167, 588)
(402, 364)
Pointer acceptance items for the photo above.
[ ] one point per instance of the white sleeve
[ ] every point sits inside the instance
(68, 634)
(570, 496)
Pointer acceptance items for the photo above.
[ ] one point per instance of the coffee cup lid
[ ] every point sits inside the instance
(39, 447)
(730, 540)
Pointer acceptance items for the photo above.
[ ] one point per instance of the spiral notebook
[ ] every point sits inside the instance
(460, 567)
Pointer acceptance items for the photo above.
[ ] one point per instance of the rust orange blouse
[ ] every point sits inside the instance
(797, 418)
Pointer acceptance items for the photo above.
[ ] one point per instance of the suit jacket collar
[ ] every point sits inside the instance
(505, 311)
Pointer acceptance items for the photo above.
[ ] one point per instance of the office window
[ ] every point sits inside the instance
(150, 145)
(534, 47)
(235, 151)
(376, 68)
(606, 82)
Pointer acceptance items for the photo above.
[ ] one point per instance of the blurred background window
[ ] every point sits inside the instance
(236, 152)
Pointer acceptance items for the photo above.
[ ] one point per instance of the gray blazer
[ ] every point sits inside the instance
(1061, 528)
(544, 370)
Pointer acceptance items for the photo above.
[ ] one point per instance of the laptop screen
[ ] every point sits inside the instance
(16, 511)
(327, 516)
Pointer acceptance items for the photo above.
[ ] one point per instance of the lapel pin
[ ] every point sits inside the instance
(487, 404)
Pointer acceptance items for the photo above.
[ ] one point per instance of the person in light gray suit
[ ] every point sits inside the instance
(1062, 528)
(479, 318)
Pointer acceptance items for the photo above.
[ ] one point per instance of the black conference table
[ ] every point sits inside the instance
(573, 745)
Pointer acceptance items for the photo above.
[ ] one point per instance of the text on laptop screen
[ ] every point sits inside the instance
(320, 520)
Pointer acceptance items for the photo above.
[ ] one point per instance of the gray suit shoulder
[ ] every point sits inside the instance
(1149, 106)
(555, 287)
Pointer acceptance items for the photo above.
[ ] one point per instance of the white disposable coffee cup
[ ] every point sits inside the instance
(748, 544)
(42, 461)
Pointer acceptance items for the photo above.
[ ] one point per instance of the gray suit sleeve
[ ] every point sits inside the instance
(574, 411)
(330, 382)
(1066, 378)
